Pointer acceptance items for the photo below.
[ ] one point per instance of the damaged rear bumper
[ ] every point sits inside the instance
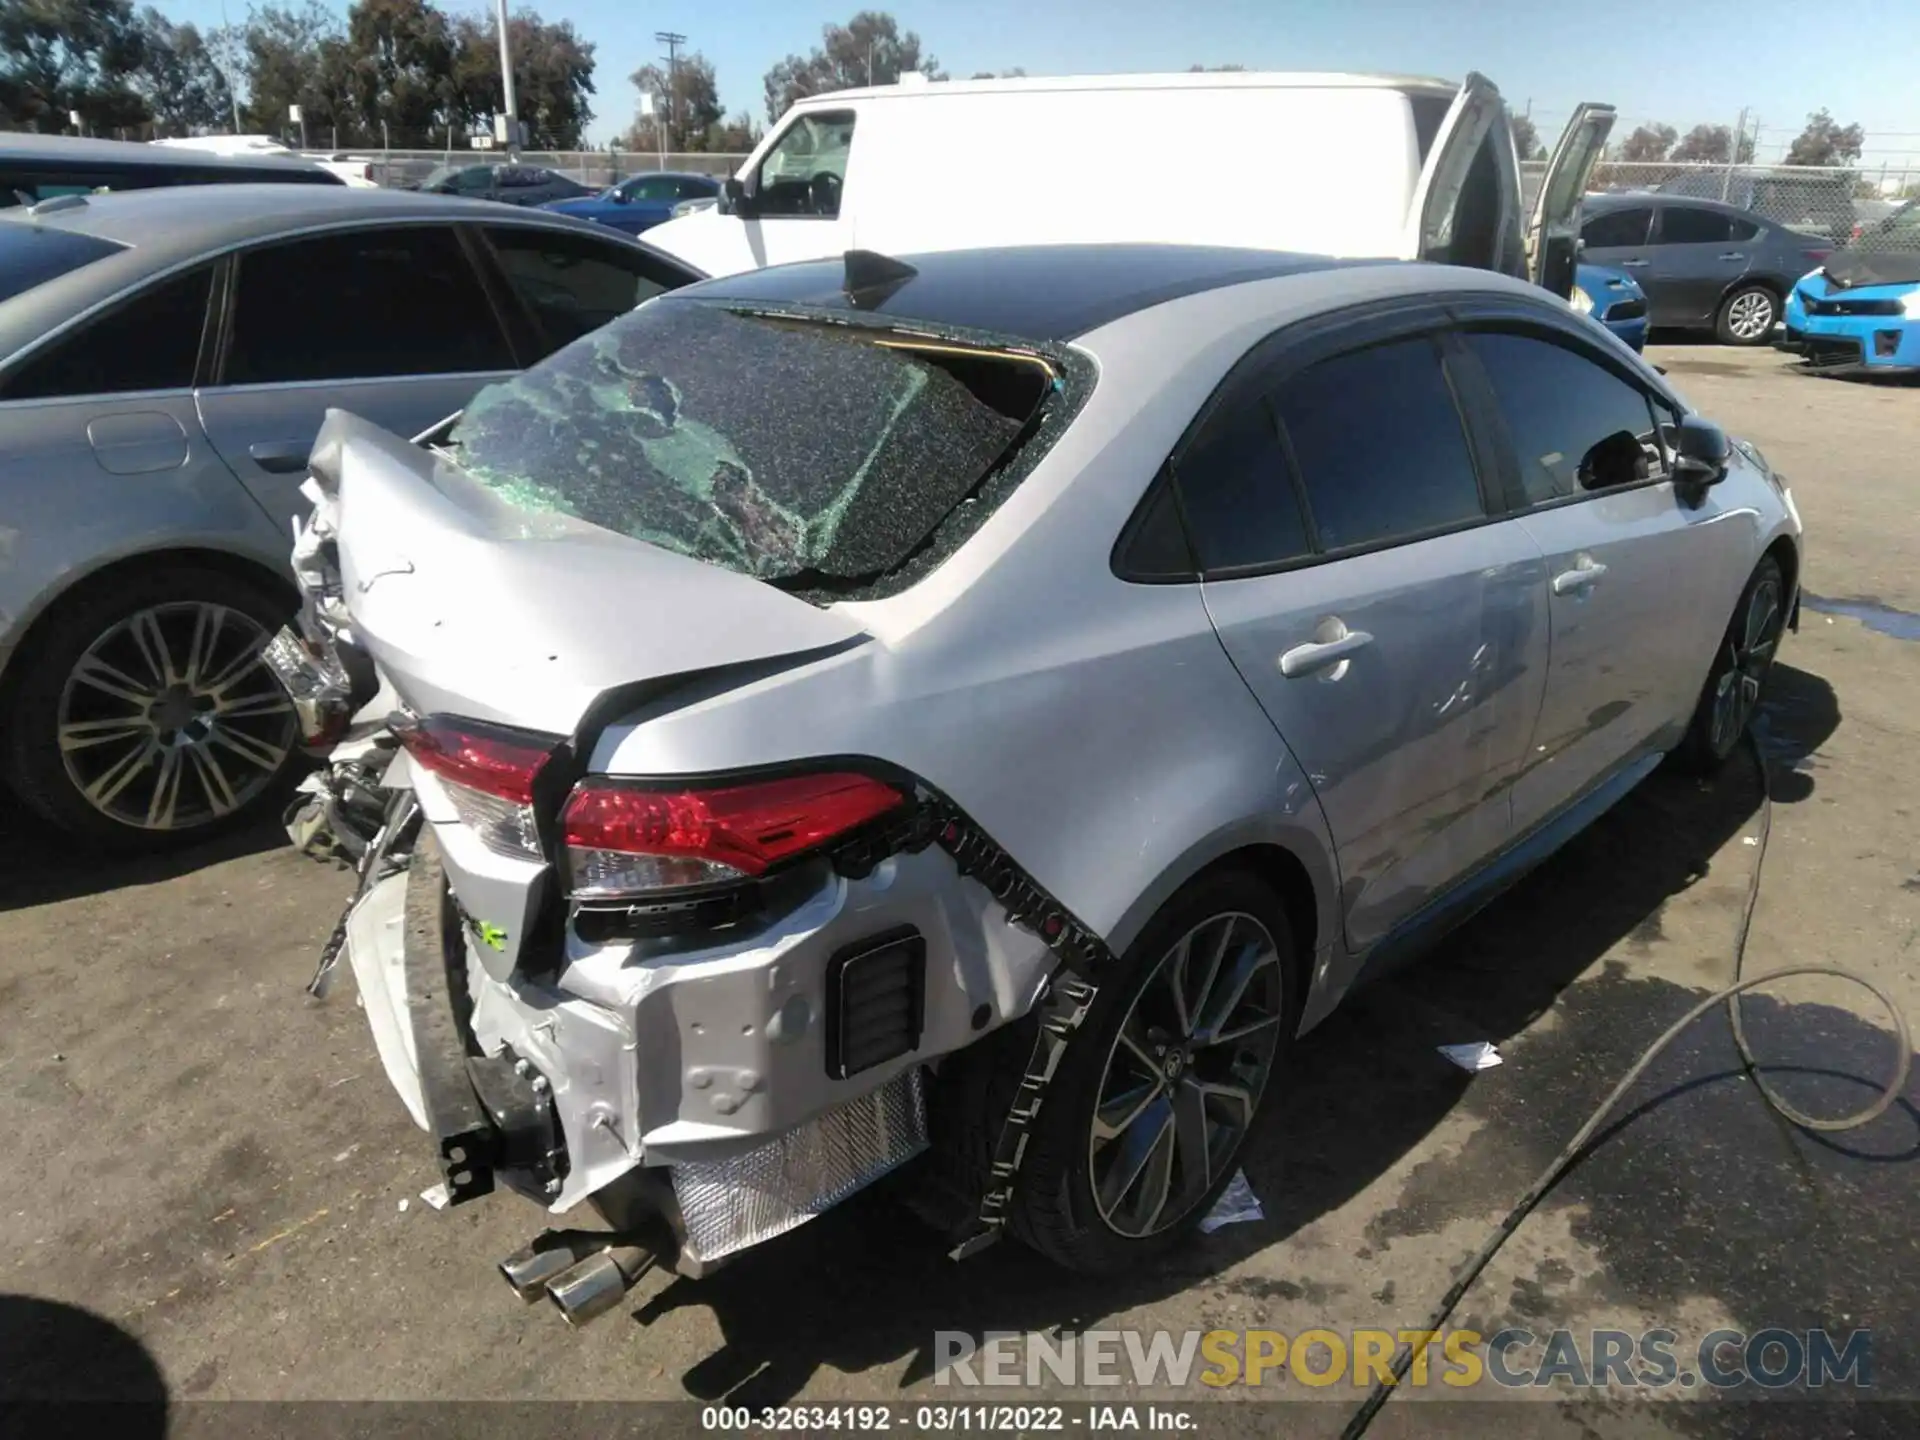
(760, 1080)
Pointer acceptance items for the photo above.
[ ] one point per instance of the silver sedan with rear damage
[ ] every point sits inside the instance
(844, 706)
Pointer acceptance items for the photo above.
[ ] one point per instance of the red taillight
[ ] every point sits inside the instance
(488, 772)
(486, 758)
(625, 839)
(1816, 255)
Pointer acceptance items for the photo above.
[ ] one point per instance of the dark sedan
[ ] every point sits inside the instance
(1704, 265)
(509, 184)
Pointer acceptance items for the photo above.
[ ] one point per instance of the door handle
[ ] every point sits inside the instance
(1312, 658)
(1733, 255)
(1633, 264)
(280, 457)
(1581, 577)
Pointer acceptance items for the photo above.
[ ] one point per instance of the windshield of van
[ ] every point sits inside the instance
(799, 452)
(32, 255)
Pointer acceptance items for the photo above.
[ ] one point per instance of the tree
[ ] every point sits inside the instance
(1526, 139)
(870, 49)
(1826, 142)
(1711, 144)
(396, 69)
(183, 85)
(1649, 142)
(292, 57)
(689, 108)
(1016, 73)
(552, 76)
(58, 56)
(1206, 69)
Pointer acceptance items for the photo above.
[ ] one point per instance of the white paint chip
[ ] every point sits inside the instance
(403, 1204)
(436, 1196)
(1237, 1203)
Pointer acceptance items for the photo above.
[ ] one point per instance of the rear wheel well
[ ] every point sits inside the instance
(120, 571)
(1282, 870)
(1748, 282)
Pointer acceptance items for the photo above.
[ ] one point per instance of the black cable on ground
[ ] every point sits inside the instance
(1575, 1150)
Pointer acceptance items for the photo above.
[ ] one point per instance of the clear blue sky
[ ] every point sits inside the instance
(1678, 61)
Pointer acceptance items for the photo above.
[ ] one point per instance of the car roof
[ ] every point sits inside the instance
(1041, 293)
(81, 151)
(1177, 80)
(171, 226)
(1615, 199)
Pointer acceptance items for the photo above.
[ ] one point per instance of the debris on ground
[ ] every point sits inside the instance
(1236, 1203)
(1479, 1055)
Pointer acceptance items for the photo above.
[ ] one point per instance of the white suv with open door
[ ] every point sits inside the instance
(1346, 165)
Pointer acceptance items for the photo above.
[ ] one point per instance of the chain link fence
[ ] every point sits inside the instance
(1833, 202)
(589, 167)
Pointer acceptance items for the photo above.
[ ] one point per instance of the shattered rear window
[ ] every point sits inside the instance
(803, 453)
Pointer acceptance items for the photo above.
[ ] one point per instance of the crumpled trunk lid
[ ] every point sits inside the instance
(474, 607)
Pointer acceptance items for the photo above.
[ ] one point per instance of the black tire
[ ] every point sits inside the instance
(38, 688)
(1055, 1209)
(1708, 745)
(1747, 316)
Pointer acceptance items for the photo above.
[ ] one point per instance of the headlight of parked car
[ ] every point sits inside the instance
(1581, 301)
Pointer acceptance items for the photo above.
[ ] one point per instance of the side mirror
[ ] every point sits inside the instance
(736, 199)
(1702, 454)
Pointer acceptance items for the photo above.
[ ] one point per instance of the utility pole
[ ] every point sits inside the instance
(226, 38)
(673, 40)
(512, 137)
(1733, 154)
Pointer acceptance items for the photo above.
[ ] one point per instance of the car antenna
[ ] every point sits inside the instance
(872, 278)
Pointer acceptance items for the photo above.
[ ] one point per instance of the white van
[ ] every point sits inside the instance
(1347, 165)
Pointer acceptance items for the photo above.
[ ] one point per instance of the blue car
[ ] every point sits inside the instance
(642, 202)
(1860, 312)
(1614, 299)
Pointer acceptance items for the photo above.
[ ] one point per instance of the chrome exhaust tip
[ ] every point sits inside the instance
(586, 1291)
(546, 1257)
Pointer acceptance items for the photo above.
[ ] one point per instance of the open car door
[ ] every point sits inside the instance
(1553, 234)
(1434, 228)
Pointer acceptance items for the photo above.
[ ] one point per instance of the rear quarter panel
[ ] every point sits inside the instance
(64, 515)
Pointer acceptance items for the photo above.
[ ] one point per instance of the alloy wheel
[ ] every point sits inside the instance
(1185, 1075)
(171, 720)
(1750, 653)
(1751, 315)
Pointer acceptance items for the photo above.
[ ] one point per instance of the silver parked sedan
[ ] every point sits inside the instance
(995, 676)
(166, 357)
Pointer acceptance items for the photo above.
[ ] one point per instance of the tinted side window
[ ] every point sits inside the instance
(1617, 227)
(572, 283)
(1744, 230)
(149, 343)
(1575, 425)
(360, 305)
(1240, 501)
(1684, 225)
(1379, 445)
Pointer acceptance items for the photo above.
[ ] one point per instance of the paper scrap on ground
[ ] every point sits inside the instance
(436, 1196)
(1478, 1056)
(1236, 1203)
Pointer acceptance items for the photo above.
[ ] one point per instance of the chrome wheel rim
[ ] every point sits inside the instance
(1751, 315)
(171, 720)
(1185, 1074)
(1749, 655)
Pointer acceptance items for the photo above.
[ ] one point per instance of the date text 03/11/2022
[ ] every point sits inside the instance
(990, 1419)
